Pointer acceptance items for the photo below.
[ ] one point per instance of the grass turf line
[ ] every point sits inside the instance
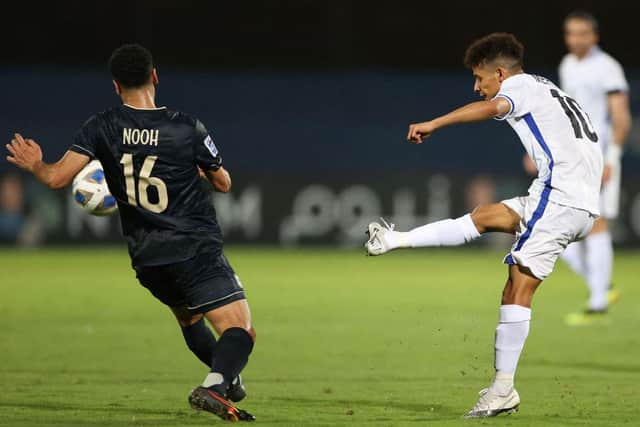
(404, 339)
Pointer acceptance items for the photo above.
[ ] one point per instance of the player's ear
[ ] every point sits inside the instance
(154, 77)
(116, 87)
(501, 73)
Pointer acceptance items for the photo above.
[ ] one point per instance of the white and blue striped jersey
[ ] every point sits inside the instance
(590, 80)
(559, 138)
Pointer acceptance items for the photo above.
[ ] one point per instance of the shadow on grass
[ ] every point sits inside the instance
(593, 366)
(434, 410)
(107, 408)
(416, 412)
(107, 415)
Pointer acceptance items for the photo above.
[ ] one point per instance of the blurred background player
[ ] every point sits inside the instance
(11, 207)
(174, 240)
(597, 82)
(560, 208)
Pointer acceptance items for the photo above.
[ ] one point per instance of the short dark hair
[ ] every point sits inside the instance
(131, 65)
(495, 46)
(584, 16)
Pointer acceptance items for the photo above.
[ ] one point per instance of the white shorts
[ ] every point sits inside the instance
(546, 228)
(610, 195)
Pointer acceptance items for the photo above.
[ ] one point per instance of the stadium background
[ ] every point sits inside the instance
(309, 102)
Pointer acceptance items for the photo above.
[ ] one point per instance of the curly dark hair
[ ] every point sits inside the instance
(131, 65)
(495, 46)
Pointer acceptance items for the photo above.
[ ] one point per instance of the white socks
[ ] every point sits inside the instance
(511, 334)
(213, 378)
(448, 232)
(502, 384)
(599, 259)
(397, 239)
(592, 259)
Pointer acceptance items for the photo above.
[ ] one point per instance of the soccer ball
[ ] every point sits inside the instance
(90, 190)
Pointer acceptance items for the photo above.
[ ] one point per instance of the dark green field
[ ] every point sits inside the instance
(404, 339)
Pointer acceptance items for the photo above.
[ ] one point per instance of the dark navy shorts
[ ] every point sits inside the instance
(202, 283)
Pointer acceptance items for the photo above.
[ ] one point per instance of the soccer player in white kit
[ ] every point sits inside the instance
(597, 82)
(560, 208)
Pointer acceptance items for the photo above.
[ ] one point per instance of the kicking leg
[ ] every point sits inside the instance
(448, 232)
(511, 334)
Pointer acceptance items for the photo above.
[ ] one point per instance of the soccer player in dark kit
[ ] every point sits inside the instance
(153, 159)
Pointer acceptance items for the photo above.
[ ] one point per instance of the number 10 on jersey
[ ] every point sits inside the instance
(576, 116)
(145, 180)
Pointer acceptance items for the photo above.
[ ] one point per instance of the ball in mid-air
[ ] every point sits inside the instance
(90, 190)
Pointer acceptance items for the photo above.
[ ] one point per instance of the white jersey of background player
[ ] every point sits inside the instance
(597, 82)
(561, 206)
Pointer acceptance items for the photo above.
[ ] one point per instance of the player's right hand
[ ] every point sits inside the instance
(420, 131)
(24, 153)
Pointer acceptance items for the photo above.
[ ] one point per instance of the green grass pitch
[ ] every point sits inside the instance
(404, 339)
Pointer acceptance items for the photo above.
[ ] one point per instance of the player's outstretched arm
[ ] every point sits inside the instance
(220, 179)
(474, 112)
(27, 155)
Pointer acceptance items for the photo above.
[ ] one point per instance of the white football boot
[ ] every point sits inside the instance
(377, 244)
(491, 404)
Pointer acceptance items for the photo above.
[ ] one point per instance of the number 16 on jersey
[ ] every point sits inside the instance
(145, 180)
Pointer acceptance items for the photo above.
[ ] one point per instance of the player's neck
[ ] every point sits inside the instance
(514, 73)
(580, 56)
(139, 98)
(586, 53)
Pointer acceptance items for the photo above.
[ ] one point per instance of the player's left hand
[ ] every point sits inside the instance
(24, 153)
(420, 131)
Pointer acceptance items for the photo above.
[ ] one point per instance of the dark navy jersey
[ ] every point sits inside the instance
(150, 159)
